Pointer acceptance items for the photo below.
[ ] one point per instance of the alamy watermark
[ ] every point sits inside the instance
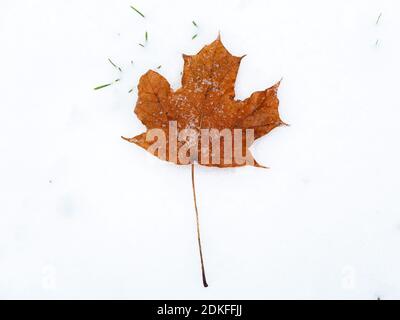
(207, 146)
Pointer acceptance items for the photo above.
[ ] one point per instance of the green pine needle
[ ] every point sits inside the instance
(106, 85)
(194, 36)
(114, 65)
(102, 86)
(133, 8)
(195, 24)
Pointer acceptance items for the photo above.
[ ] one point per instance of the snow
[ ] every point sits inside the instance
(85, 214)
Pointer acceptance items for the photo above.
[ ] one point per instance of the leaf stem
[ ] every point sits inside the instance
(203, 273)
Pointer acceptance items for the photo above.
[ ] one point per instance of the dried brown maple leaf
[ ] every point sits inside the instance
(205, 101)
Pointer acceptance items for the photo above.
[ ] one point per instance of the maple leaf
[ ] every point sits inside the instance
(205, 101)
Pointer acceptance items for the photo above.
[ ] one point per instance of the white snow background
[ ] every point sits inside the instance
(84, 214)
